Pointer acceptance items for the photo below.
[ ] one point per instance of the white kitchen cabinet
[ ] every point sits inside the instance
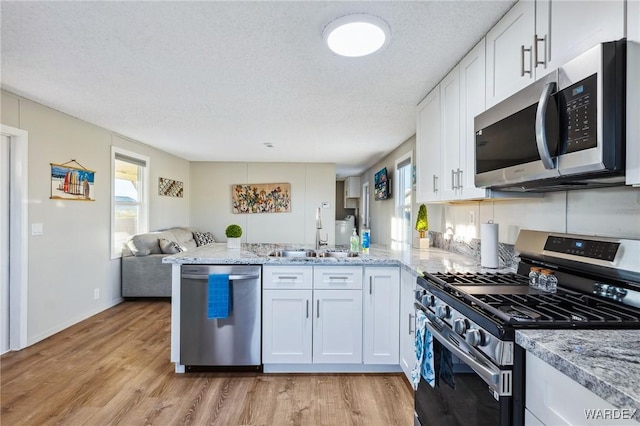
(351, 192)
(450, 133)
(509, 59)
(536, 37)
(287, 314)
(407, 322)
(337, 330)
(428, 148)
(546, 399)
(472, 103)
(381, 313)
(632, 173)
(565, 29)
(287, 326)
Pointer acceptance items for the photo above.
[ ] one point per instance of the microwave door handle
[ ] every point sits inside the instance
(541, 126)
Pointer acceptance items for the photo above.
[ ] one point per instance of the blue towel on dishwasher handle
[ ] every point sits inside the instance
(219, 296)
(424, 366)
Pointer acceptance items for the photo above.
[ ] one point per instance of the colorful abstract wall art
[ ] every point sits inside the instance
(261, 198)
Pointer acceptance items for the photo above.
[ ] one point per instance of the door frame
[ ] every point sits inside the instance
(18, 235)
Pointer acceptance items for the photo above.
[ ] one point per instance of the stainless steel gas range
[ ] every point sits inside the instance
(479, 370)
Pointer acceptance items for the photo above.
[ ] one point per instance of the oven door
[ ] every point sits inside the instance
(469, 390)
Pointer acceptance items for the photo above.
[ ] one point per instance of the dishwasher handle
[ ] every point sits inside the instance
(231, 277)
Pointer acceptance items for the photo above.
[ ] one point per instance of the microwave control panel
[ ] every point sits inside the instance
(580, 104)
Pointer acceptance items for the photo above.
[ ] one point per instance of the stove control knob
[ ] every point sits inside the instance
(443, 311)
(475, 337)
(431, 301)
(460, 326)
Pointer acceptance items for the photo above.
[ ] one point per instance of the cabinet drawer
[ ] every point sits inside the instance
(287, 277)
(337, 277)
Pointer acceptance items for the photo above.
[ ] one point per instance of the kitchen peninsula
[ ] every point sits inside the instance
(410, 264)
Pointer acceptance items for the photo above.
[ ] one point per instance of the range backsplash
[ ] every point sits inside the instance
(506, 252)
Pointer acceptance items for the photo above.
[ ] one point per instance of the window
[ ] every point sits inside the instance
(130, 202)
(401, 229)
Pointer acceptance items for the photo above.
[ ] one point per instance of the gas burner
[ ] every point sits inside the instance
(519, 314)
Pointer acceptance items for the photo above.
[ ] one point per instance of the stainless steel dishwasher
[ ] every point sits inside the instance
(231, 342)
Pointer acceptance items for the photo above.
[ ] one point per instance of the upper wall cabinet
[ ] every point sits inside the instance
(351, 192)
(633, 93)
(462, 95)
(535, 37)
(428, 142)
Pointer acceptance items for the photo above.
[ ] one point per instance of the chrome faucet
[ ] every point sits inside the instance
(319, 241)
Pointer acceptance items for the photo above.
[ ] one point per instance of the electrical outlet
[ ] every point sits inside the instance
(96, 294)
(472, 217)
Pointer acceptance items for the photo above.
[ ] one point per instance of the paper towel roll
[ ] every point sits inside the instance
(489, 245)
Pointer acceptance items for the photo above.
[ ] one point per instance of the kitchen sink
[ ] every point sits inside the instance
(308, 253)
(337, 253)
(293, 253)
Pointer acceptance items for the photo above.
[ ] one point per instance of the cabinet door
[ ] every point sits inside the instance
(450, 134)
(472, 94)
(565, 29)
(337, 330)
(546, 398)
(509, 52)
(381, 315)
(428, 162)
(407, 322)
(286, 326)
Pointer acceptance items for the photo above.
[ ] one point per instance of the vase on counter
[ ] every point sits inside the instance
(423, 243)
(233, 243)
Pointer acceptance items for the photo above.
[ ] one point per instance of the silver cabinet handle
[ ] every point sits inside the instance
(410, 322)
(318, 308)
(459, 179)
(435, 183)
(453, 179)
(339, 278)
(286, 278)
(541, 126)
(536, 40)
(522, 70)
(307, 308)
(371, 285)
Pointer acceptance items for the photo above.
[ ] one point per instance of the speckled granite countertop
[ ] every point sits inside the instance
(607, 362)
(416, 261)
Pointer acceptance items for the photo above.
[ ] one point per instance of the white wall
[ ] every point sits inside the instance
(383, 211)
(72, 257)
(311, 184)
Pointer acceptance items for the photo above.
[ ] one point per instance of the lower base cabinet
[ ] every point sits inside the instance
(287, 326)
(330, 315)
(337, 330)
(554, 399)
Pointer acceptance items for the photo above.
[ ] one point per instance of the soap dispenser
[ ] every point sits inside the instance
(354, 242)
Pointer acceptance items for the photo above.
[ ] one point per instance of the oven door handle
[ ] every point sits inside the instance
(498, 380)
(488, 375)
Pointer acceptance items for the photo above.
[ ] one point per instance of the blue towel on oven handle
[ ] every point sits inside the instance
(424, 366)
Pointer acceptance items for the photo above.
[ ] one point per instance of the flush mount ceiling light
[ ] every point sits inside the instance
(357, 35)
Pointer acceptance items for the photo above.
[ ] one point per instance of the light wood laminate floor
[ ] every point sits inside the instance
(114, 369)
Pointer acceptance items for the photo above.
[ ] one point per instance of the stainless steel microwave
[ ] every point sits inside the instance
(565, 131)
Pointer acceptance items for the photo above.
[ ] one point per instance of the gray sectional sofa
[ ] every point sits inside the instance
(143, 273)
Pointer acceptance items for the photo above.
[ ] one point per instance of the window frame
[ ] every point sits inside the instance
(143, 217)
(405, 160)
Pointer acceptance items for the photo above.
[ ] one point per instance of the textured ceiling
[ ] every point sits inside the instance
(215, 81)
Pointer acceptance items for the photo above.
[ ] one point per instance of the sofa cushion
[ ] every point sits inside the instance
(145, 244)
(184, 237)
(169, 247)
(203, 238)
